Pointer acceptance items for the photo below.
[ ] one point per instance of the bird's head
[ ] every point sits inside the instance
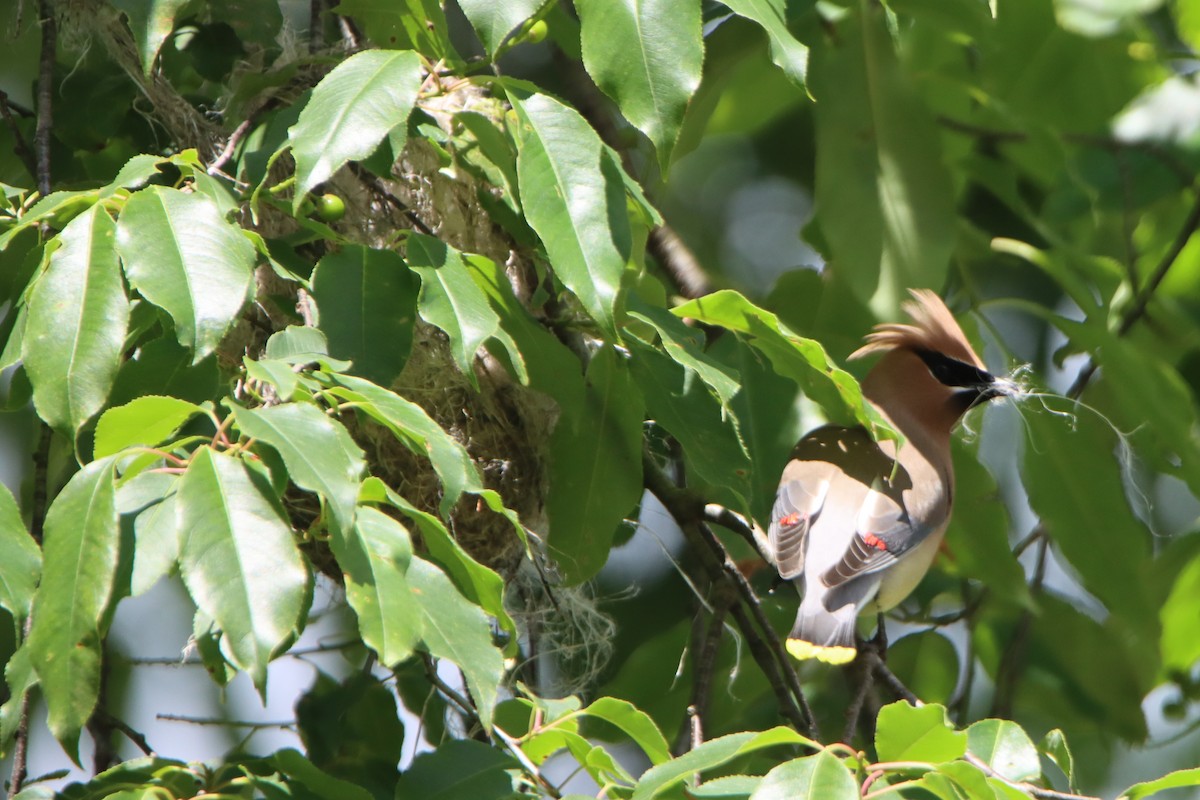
(929, 371)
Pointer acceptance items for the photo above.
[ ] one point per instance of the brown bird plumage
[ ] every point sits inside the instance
(850, 528)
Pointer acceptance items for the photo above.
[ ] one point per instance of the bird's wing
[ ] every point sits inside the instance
(798, 503)
(883, 533)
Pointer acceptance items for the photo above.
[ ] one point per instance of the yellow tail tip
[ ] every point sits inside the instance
(802, 651)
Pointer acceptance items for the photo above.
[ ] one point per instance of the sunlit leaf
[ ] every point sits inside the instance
(494, 21)
(75, 331)
(319, 454)
(145, 421)
(374, 556)
(238, 560)
(414, 427)
(367, 299)
(597, 462)
(885, 199)
(202, 281)
(352, 109)
(450, 300)
(20, 560)
(646, 55)
(456, 629)
(810, 778)
(574, 197)
(709, 755)
(81, 551)
(907, 733)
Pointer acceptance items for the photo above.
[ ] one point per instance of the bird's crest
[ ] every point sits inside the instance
(934, 328)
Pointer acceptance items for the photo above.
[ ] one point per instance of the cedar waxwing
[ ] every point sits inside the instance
(855, 532)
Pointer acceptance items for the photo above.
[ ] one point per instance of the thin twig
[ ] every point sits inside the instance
(705, 659)
(1036, 791)
(99, 725)
(230, 723)
(717, 514)
(861, 670)
(530, 768)
(132, 735)
(20, 146)
(465, 706)
(231, 145)
(376, 185)
(763, 641)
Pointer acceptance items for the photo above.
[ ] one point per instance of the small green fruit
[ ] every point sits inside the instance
(330, 207)
(537, 32)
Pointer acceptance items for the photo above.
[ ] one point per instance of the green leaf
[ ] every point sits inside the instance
(80, 556)
(1055, 747)
(145, 421)
(419, 24)
(792, 356)
(300, 769)
(574, 198)
(494, 21)
(907, 733)
(678, 401)
(451, 301)
(1086, 512)
(319, 454)
(151, 22)
(20, 560)
(297, 344)
(351, 730)
(786, 51)
(549, 366)
(459, 769)
(163, 367)
(374, 556)
(685, 346)
(927, 662)
(456, 629)
(711, 754)
(815, 777)
(729, 787)
(367, 300)
(480, 585)
(75, 332)
(885, 199)
(201, 281)
(597, 469)
(352, 109)
(418, 432)
(151, 497)
(1172, 780)
(1006, 748)
(646, 55)
(635, 723)
(1063, 683)
(239, 561)
(1180, 640)
(978, 532)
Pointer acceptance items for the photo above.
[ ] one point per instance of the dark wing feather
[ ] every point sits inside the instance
(798, 503)
(883, 533)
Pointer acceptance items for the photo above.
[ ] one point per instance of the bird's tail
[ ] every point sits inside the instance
(824, 635)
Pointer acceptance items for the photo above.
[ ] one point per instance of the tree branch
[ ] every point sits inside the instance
(688, 510)
(20, 146)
